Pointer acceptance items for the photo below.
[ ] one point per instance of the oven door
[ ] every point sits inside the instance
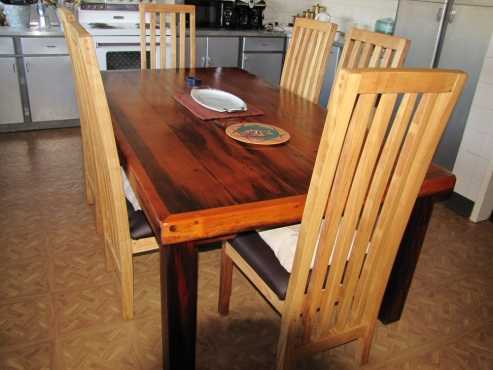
(123, 52)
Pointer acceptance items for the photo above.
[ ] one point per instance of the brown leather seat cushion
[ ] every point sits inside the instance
(257, 253)
(139, 226)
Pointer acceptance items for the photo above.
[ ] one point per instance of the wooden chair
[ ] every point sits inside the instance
(367, 175)
(117, 217)
(366, 49)
(304, 68)
(168, 14)
(89, 170)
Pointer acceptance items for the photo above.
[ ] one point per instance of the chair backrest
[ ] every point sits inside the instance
(168, 15)
(367, 49)
(66, 16)
(304, 68)
(110, 195)
(381, 131)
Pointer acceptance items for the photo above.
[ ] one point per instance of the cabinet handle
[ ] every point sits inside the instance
(27, 67)
(439, 14)
(451, 16)
(13, 68)
(51, 46)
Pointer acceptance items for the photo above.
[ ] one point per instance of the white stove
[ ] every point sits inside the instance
(115, 28)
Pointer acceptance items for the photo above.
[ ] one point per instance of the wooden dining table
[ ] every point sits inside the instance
(196, 184)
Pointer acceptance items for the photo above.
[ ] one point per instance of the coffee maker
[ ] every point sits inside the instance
(249, 14)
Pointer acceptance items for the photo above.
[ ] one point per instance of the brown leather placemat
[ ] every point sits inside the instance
(206, 114)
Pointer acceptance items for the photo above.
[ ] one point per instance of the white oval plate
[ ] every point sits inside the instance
(218, 100)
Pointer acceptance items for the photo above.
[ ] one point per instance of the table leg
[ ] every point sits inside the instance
(179, 265)
(405, 262)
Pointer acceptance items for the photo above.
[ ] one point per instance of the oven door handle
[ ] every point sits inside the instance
(112, 44)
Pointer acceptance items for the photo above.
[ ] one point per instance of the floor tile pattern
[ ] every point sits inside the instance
(60, 309)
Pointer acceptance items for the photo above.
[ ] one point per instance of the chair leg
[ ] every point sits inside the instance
(285, 360)
(225, 283)
(127, 298)
(365, 345)
(127, 286)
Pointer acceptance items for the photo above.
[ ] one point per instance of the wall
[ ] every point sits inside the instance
(474, 164)
(346, 13)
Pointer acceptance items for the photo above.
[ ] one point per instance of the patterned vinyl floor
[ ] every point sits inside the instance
(59, 308)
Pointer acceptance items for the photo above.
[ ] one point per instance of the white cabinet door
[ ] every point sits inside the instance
(10, 96)
(267, 66)
(50, 85)
(223, 51)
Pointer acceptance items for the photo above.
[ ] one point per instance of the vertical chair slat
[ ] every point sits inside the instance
(143, 39)
(365, 55)
(387, 58)
(376, 56)
(183, 37)
(192, 37)
(162, 40)
(298, 59)
(355, 53)
(153, 40)
(173, 40)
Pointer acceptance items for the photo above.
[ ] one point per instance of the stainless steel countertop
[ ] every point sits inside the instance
(31, 31)
(57, 32)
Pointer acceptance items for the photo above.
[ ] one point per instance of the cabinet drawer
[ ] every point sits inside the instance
(263, 44)
(6, 45)
(44, 45)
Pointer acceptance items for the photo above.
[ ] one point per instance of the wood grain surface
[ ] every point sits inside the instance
(197, 183)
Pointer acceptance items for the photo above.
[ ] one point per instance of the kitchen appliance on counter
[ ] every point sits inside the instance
(244, 14)
(213, 13)
(250, 14)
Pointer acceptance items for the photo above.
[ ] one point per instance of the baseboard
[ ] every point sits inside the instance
(460, 204)
(29, 126)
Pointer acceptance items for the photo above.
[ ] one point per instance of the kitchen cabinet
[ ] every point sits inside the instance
(200, 52)
(263, 57)
(267, 66)
(6, 45)
(222, 51)
(10, 102)
(216, 51)
(50, 88)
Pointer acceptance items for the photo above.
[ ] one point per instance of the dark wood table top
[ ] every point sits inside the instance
(197, 183)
